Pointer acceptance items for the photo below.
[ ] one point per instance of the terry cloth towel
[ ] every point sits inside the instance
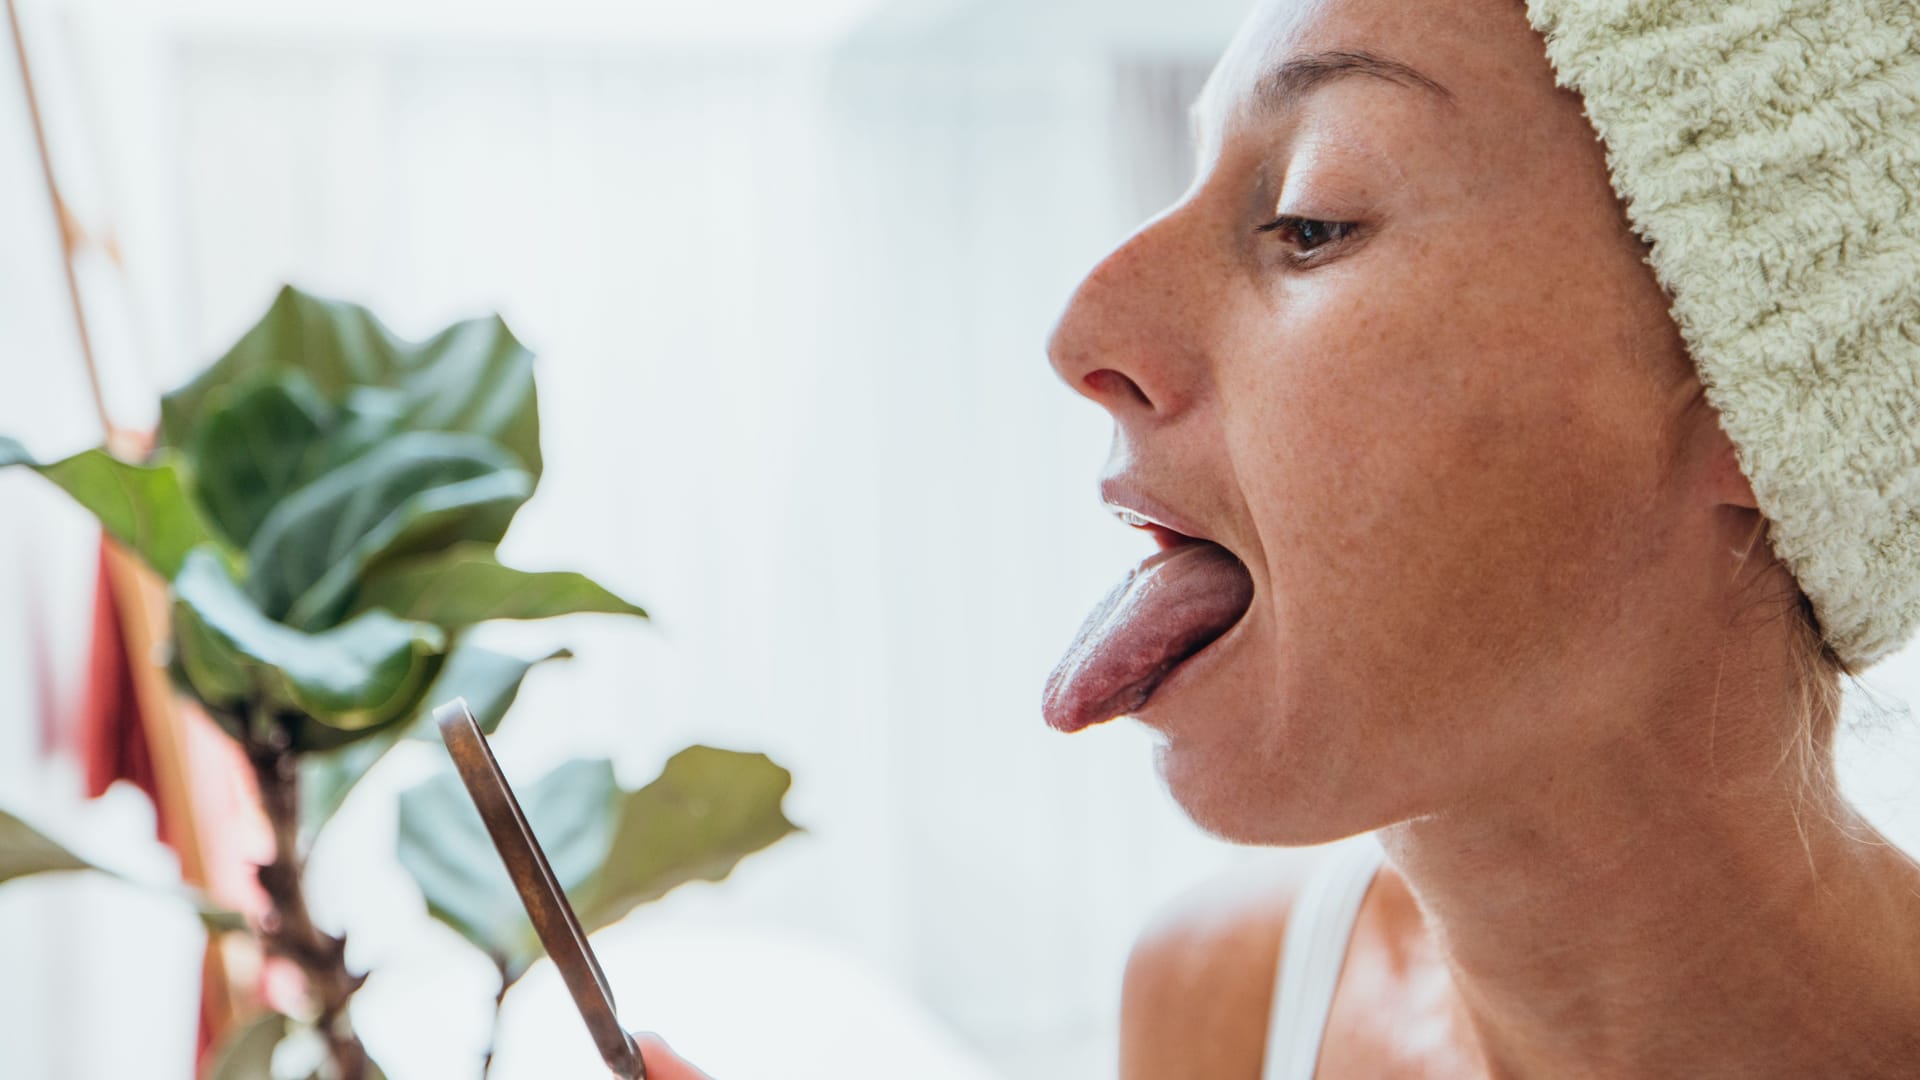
(1769, 151)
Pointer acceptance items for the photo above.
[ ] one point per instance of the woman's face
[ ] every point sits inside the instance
(1444, 422)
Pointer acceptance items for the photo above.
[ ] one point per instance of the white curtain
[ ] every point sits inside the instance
(790, 306)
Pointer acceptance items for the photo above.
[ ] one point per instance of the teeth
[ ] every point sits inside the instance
(1132, 518)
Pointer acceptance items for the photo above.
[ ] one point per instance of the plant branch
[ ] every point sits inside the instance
(289, 930)
(493, 1028)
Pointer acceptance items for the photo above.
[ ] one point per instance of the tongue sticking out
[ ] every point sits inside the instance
(1171, 606)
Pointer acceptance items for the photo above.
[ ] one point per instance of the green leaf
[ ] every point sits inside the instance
(205, 663)
(327, 777)
(488, 680)
(351, 678)
(466, 585)
(445, 846)
(25, 850)
(369, 416)
(709, 809)
(254, 449)
(145, 507)
(247, 1051)
(416, 492)
(311, 735)
(473, 377)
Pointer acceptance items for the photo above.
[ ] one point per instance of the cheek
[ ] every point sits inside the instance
(1441, 503)
(1440, 481)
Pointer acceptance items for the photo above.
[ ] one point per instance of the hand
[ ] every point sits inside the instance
(662, 1062)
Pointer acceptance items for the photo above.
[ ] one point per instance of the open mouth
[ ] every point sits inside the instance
(1165, 538)
(1174, 604)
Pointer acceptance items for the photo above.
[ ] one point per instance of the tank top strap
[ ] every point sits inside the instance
(1312, 953)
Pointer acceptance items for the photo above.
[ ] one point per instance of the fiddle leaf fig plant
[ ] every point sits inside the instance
(612, 849)
(326, 502)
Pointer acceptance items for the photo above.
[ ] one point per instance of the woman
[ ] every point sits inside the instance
(1461, 430)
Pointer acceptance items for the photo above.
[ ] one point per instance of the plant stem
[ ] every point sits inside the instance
(289, 930)
(493, 1028)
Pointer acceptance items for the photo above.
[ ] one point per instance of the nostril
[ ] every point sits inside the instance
(1112, 388)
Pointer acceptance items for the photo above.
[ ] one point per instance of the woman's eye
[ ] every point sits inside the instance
(1308, 234)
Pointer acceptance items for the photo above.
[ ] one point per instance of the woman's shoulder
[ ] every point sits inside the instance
(1199, 981)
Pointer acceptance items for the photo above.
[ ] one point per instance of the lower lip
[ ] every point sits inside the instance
(1210, 656)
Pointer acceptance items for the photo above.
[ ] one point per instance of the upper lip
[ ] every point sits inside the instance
(1122, 492)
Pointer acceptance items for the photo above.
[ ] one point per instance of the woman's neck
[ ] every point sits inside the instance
(1654, 915)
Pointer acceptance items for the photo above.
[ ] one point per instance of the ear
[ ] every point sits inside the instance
(1727, 483)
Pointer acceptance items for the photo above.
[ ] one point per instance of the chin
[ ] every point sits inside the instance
(1249, 746)
(1243, 798)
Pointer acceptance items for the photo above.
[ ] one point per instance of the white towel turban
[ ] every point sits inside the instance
(1769, 152)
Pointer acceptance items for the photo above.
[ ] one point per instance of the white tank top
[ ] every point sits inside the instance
(1312, 953)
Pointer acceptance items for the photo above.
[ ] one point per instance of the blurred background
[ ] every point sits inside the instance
(789, 266)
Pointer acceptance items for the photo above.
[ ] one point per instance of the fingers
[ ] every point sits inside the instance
(662, 1062)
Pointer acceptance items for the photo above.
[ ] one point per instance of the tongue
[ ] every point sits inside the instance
(1169, 607)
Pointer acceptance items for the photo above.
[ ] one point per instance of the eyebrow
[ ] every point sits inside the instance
(1286, 83)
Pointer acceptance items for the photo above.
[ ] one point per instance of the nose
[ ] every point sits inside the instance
(1129, 337)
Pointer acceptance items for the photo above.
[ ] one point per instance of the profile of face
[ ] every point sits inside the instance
(1397, 350)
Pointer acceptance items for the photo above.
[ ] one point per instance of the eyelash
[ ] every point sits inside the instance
(1340, 229)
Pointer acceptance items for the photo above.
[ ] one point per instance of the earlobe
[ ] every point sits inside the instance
(1722, 481)
(1730, 484)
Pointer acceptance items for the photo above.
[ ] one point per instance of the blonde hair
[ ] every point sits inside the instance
(1818, 668)
(1818, 674)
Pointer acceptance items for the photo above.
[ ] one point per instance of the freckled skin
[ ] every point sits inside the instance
(1508, 605)
(1443, 451)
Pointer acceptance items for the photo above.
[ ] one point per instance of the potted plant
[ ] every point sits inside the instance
(325, 503)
